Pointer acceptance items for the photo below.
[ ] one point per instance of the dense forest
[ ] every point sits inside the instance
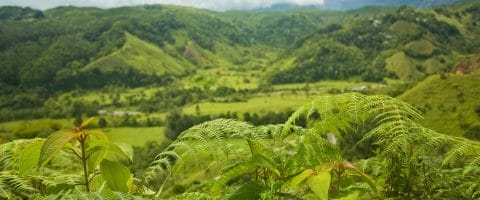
(287, 102)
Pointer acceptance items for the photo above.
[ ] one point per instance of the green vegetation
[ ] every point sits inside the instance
(451, 99)
(197, 104)
(264, 162)
(404, 67)
(140, 56)
(206, 56)
(420, 48)
(138, 136)
(253, 105)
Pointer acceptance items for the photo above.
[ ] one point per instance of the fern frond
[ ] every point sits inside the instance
(234, 172)
(328, 114)
(12, 185)
(10, 153)
(214, 137)
(192, 195)
(218, 129)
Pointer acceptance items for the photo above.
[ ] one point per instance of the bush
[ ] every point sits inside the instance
(477, 110)
(102, 122)
(31, 129)
(473, 132)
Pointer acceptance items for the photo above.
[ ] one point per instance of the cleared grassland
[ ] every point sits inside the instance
(448, 104)
(284, 97)
(135, 136)
(261, 104)
(142, 56)
(325, 86)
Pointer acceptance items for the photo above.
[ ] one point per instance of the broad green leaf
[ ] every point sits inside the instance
(264, 162)
(97, 152)
(58, 188)
(98, 134)
(29, 157)
(248, 191)
(234, 172)
(296, 180)
(119, 152)
(320, 184)
(96, 183)
(54, 143)
(369, 180)
(257, 148)
(86, 122)
(126, 149)
(352, 196)
(118, 177)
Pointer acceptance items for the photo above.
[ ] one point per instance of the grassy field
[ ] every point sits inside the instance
(142, 56)
(448, 104)
(325, 86)
(261, 104)
(283, 97)
(213, 78)
(404, 66)
(135, 136)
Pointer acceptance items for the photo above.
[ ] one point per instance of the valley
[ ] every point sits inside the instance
(156, 76)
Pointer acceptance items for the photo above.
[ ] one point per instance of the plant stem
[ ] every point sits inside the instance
(82, 140)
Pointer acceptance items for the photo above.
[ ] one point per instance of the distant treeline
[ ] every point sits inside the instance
(37, 104)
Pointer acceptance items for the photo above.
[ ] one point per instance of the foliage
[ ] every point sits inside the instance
(347, 146)
(281, 157)
(89, 49)
(264, 162)
(101, 163)
(452, 100)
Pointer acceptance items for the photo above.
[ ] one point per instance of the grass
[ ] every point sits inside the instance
(135, 136)
(434, 65)
(451, 21)
(284, 97)
(403, 66)
(449, 104)
(248, 79)
(141, 56)
(325, 86)
(261, 104)
(421, 48)
(404, 29)
(12, 125)
(105, 96)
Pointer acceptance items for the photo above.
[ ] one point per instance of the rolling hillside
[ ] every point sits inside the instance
(140, 56)
(450, 103)
(407, 44)
(200, 55)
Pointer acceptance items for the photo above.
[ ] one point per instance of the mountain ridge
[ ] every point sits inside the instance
(67, 39)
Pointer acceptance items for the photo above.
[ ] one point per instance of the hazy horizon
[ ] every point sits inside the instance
(219, 5)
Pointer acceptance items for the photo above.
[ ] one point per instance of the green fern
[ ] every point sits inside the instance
(12, 185)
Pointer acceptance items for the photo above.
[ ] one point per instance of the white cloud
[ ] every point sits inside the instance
(209, 4)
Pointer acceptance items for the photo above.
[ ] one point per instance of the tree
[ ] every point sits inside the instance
(102, 122)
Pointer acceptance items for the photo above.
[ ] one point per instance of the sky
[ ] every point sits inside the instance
(219, 5)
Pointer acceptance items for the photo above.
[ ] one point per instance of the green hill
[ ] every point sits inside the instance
(230, 55)
(143, 57)
(450, 103)
(407, 44)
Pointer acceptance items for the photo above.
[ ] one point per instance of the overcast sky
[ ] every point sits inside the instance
(209, 4)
